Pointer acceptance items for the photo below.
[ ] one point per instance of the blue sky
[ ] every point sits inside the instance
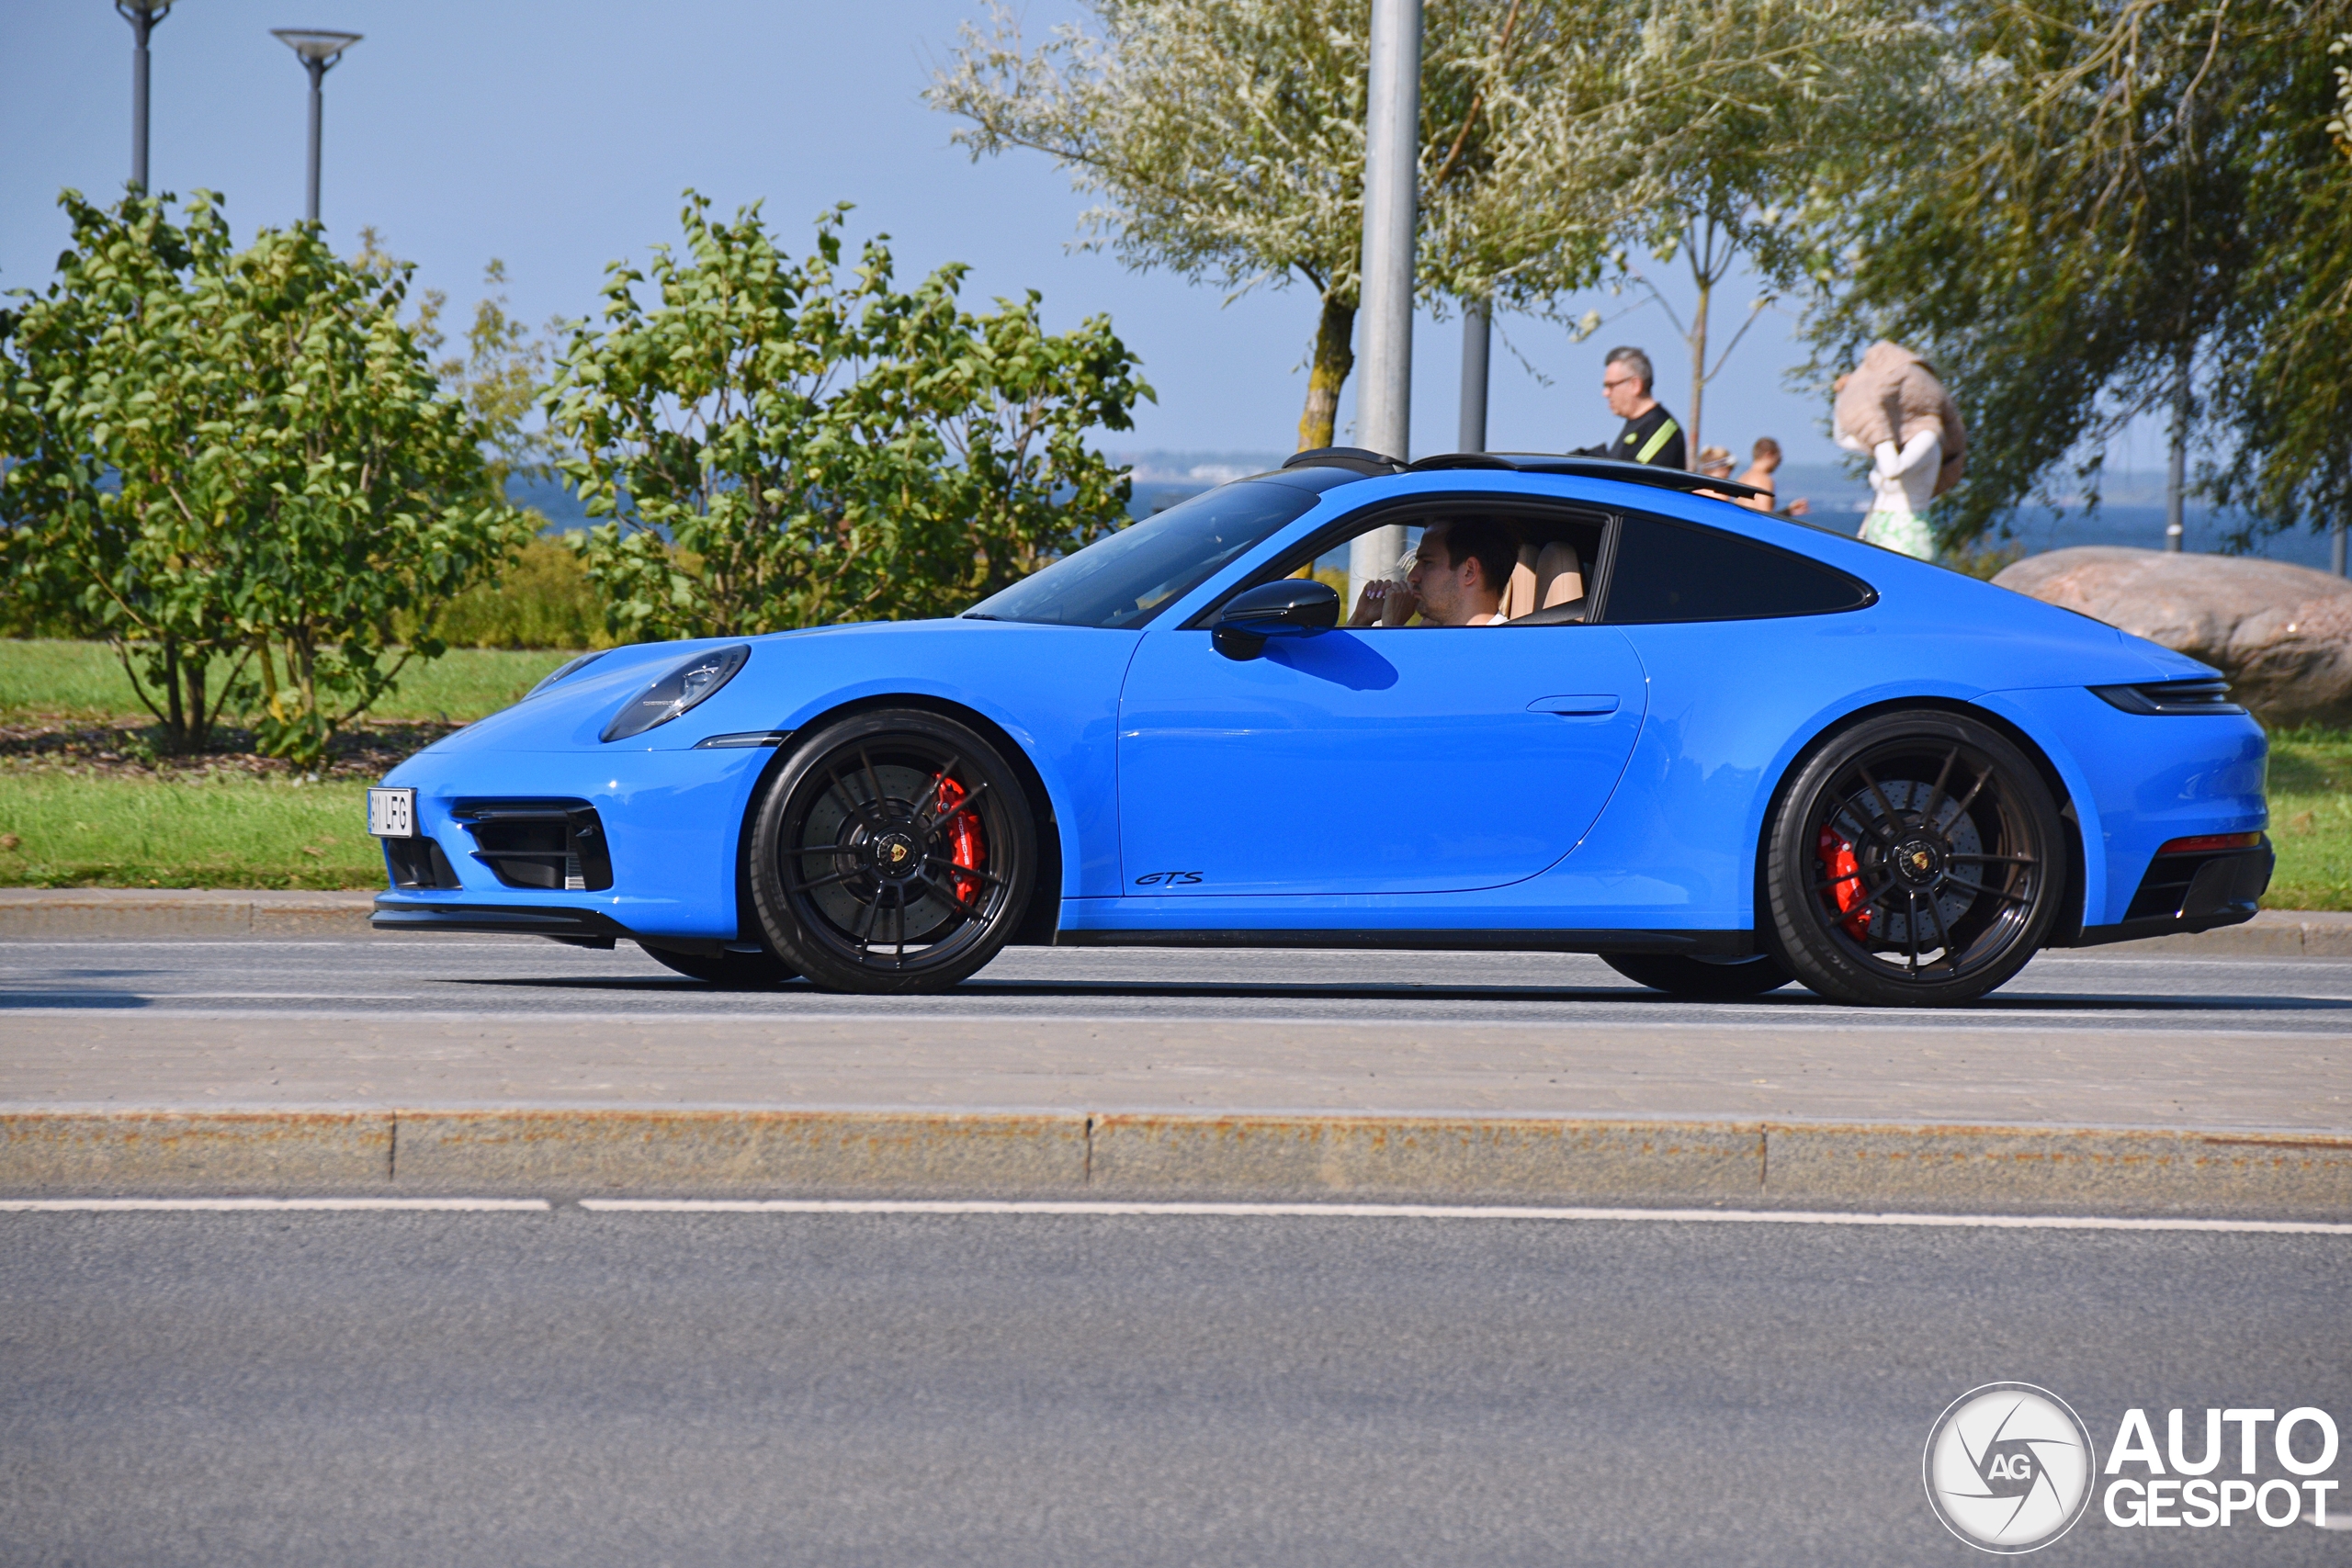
(558, 138)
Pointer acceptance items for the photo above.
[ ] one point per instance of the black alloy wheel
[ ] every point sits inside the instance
(894, 853)
(731, 969)
(1701, 979)
(1915, 861)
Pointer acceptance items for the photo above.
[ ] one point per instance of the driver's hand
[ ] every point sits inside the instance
(1382, 602)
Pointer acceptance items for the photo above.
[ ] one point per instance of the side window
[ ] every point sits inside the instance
(1679, 572)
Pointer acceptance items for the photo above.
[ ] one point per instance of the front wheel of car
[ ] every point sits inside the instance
(1701, 979)
(894, 853)
(1915, 861)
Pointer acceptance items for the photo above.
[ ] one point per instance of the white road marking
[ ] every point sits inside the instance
(1437, 1211)
(2122, 1017)
(227, 1205)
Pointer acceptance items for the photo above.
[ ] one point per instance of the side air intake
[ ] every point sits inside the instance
(558, 845)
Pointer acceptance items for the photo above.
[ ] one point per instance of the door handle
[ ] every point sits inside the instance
(1591, 704)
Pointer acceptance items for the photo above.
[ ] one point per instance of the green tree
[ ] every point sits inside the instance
(2133, 205)
(1225, 137)
(1749, 118)
(240, 452)
(781, 443)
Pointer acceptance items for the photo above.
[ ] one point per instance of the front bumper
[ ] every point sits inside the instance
(582, 928)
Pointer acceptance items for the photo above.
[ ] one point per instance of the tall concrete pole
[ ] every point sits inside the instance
(1477, 331)
(1391, 195)
(143, 16)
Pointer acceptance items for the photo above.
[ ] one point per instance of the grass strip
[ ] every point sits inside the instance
(56, 679)
(60, 828)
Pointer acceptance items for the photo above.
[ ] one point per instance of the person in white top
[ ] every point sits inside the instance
(1895, 408)
(1457, 578)
(1903, 481)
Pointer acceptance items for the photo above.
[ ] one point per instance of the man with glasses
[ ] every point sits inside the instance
(1650, 435)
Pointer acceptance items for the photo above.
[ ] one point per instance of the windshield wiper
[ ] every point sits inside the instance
(976, 615)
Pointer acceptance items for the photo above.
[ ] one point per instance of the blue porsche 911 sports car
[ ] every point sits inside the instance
(1721, 750)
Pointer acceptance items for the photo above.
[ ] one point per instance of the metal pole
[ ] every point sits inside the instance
(1477, 331)
(318, 69)
(2177, 481)
(1391, 193)
(2335, 547)
(143, 16)
(141, 23)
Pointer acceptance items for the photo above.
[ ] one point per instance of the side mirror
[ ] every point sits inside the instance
(1292, 606)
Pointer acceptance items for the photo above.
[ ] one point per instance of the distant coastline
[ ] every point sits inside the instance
(2132, 511)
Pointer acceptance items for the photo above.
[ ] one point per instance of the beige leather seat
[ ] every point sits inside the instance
(1544, 578)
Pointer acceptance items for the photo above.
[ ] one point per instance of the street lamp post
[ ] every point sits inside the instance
(1391, 195)
(143, 16)
(319, 52)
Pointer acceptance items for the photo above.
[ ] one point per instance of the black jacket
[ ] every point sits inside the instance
(1654, 438)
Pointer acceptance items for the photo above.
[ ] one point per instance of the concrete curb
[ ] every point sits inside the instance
(564, 1154)
(134, 912)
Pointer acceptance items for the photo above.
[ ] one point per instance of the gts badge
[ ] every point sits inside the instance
(1168, 879)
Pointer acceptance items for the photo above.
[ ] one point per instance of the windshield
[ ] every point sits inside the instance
(1123, 581)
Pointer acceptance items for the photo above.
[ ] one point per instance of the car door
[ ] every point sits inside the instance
(1406, 759)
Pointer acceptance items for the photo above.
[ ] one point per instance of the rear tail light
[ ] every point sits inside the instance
(2212, 843)
(2207, 695)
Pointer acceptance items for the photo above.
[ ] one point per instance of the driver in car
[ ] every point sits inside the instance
(1458, 576)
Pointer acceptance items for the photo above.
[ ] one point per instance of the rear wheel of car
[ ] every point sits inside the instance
(732, 969)
(1915, 861)
(1702, 979)
(894, 853)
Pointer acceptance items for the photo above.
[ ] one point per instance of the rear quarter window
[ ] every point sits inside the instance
(1666, 571)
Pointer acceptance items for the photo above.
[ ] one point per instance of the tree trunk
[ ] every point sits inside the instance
(199, 715)
(1698, 369)
(1335, 356)
(176, 736)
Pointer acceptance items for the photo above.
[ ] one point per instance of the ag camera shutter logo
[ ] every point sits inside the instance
(2008, 1467)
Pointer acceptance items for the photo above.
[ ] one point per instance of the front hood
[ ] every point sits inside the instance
(571, 715)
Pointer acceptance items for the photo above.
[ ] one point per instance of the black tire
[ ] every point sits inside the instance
(1703, 979)
(869, 876)
(1915, 860)
(735, 971)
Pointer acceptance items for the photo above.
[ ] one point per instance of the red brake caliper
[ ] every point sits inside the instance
(1840, 868)
(965, 846)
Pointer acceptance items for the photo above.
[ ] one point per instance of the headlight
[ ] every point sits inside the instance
(679, 689)
(566, 670)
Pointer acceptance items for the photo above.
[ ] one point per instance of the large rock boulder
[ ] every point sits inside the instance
(2282, 634)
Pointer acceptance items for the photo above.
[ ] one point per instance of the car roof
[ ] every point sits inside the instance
(1361, 463)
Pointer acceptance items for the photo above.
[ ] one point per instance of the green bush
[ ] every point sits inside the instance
(542, 600)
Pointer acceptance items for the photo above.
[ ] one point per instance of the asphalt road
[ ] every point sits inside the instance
(2094, 988)
(581, 1389)
(2115, 1041)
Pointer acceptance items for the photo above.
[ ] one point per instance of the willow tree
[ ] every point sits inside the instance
(1746, 126)
(2130, 206)
(1226, 140)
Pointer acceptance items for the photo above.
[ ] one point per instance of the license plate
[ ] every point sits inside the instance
(392, 813)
